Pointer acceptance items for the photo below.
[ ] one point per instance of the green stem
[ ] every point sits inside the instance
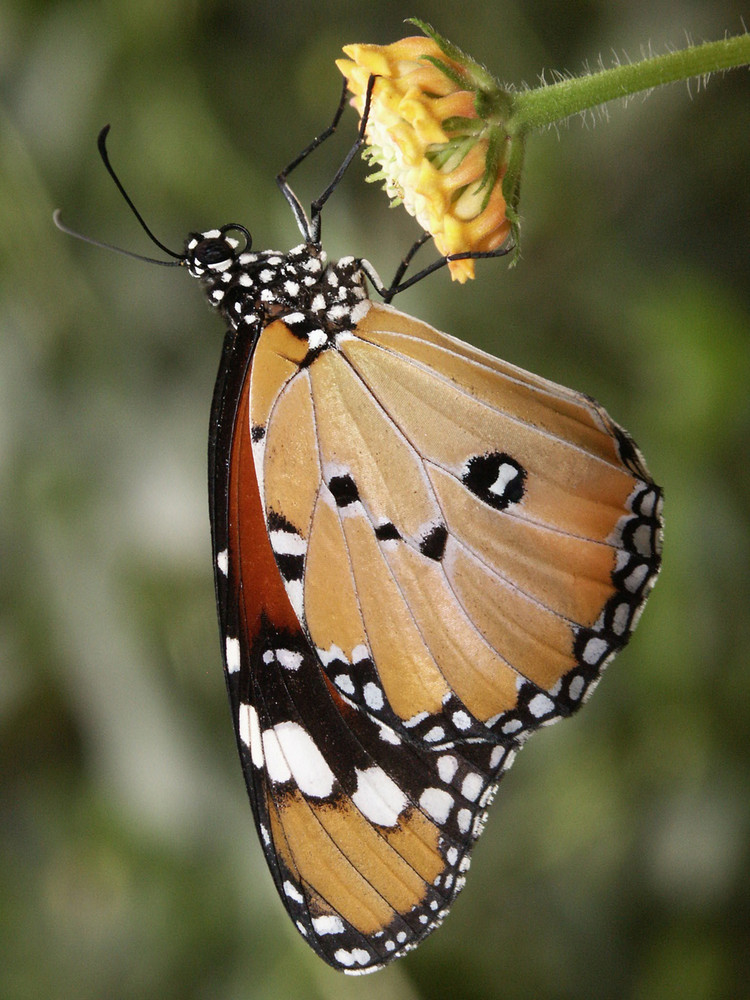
(542, 106)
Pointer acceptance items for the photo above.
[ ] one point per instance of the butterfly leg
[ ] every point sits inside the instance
(397, 285)
(310, 228)
(281, 177)
(388, 291)
(317, 205)
(401, 269)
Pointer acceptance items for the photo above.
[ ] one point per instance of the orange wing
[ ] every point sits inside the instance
(472, 543)
(367, 837)
(422, 555)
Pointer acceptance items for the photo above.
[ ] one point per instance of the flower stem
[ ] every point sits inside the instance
(545, 105)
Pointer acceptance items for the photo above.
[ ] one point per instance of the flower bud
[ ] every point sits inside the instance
(434, 152)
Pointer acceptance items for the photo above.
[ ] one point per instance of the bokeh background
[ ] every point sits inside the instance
(616, 860)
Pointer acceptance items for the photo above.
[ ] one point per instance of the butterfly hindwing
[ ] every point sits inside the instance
(367, 837)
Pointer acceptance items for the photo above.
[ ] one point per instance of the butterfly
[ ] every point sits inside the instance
(422, 555)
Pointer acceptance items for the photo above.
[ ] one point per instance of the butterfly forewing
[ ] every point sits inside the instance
(422, 554)
(457, 515)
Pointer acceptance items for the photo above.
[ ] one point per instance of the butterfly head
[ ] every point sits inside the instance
(215, 251)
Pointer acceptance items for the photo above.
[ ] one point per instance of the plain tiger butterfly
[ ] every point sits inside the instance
(422, 555)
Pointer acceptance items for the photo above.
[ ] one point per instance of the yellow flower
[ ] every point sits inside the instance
(434, 151)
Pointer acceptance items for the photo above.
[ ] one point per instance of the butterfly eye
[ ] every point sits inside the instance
(213, 253)
(217, 250)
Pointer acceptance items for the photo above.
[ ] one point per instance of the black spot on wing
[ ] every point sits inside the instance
(432, 544)
(344, 490)
(277, 522)
(387, 531)
(495, 478)
(291, 567)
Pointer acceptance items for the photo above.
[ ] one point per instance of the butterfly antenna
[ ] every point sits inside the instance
(56, 218)
(102, 144)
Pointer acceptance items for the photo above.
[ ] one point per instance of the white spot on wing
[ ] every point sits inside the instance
(621, 618)
(232, 648)
(357, 956)
(326, 656)
(328, 924)
(378, 797)
(472, 786)
(636, 578)
(243, 722)
(222, 561)
(289, 659)
(575, 688)
(437, 803)
(287, 543)
(541, 705)
(594, 650)
(250, 733)
(461, 720)
(295, 593)
(291, 890)
(344, 683)
(302, 757)
(505, 474)
(373, 696)
(643, 540)
(447, 767)
(276, 765)
(389, 735)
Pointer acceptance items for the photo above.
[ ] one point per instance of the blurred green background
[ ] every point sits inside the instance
(615, 863)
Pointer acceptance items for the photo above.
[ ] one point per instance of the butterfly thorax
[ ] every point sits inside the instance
(319, 301)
